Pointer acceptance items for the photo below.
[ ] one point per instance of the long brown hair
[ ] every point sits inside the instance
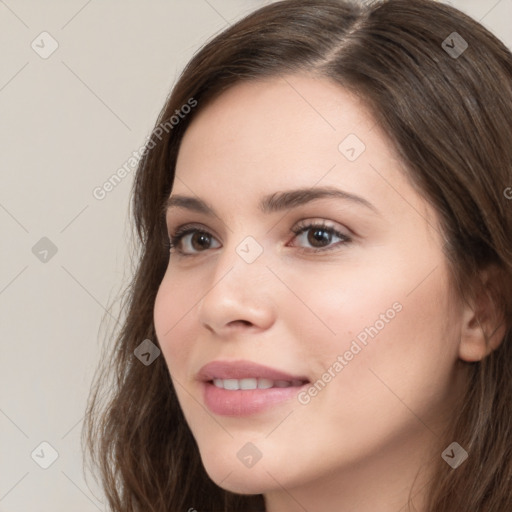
(448, 110)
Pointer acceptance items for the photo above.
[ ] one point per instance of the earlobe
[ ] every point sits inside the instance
(483, 326)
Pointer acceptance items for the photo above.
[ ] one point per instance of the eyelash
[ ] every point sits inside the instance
(175, 239)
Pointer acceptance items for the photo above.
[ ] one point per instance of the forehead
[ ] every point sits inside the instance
(287, 132)
(283, 111)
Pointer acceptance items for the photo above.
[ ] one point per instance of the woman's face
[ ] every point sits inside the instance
(359, 307)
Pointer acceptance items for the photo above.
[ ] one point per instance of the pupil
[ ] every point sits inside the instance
(318, 237)
(202, 238)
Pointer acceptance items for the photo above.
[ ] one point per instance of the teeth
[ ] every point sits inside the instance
(231, 384)
(248, 383)
(252, 383)
(265, 383)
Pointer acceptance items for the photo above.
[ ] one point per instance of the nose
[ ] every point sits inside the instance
(238, 296)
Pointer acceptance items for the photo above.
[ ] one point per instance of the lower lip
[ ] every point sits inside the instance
(245, 402)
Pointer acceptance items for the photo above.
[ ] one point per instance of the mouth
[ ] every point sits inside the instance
(247, 373)
(243, 388)
(255, 383)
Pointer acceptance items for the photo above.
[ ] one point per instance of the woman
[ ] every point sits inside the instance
(321, 316)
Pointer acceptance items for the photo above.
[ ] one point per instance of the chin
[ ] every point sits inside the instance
(233, 476)
(243, 481)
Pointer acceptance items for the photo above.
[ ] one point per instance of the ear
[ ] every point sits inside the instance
(483, 324)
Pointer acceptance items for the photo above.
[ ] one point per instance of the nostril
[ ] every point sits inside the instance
(243, 322)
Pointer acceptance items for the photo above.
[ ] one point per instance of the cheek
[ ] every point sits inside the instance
(332, 308)
(378, 335)
(175, 328)
(171, 315)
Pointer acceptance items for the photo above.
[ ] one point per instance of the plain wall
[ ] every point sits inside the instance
(67, 123)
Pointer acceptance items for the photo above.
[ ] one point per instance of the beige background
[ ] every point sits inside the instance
(67, 123)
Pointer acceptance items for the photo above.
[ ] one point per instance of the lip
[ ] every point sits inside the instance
(244, 402)
(242, 369)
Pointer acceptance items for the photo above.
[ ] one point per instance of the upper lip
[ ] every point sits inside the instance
(241, 369)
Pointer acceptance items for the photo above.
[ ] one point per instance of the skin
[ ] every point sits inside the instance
(361, 441)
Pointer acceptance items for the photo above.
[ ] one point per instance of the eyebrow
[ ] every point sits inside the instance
(275, 202)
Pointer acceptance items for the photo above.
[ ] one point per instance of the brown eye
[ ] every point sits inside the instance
(190, 241)
(320, 237)
(200, 240)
